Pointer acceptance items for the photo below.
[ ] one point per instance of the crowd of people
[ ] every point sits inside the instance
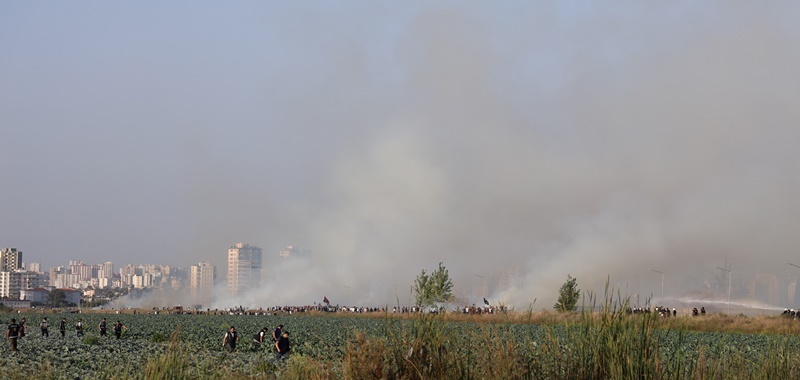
(274, 310)
(791, 312)
(484, 309)
(664, 311)
(288, 310)
(279, 337)
(18, 330)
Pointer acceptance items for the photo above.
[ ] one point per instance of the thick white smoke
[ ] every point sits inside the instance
(522, 142)
(566, 148)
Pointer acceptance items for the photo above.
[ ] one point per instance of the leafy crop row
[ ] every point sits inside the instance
(189, 346)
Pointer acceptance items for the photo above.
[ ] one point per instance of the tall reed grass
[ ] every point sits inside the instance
(607, 344)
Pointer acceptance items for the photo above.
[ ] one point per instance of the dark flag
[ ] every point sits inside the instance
(325, 299)
(485, 301)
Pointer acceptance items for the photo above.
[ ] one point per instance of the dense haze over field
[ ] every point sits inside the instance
(539, 139)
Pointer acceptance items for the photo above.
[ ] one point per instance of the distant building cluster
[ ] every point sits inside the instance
(80, 275)
(13, 276)
(153, 276)
(20, 286)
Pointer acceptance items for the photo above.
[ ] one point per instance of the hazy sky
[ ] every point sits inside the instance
(548, 137)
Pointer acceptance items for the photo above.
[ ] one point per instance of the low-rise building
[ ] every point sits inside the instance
(16, 304)
(35, 295)
(72, 296)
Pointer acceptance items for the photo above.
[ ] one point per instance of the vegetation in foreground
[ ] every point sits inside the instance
(606, 344)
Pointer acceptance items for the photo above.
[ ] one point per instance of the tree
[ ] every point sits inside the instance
(568, 296)
(433, 288)
(57, 298)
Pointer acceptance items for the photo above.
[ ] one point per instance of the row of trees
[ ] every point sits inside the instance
(437, 288)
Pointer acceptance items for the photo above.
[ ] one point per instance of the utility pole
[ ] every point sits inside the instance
(662, 283)
(796, 279)
(730, 273)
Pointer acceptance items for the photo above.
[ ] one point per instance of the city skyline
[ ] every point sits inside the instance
(766, 291)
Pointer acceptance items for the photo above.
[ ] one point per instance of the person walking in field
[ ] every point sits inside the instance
(22, 327)
(13, 334)
(45, 327)
(276, 334)
(230, 339)
(283, 347)
(118, 326)
(258, 339)
(63, 327)
(102, 326)
(79, 328)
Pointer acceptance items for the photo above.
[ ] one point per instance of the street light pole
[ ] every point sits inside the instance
(795, 297)
(662, 282)
(730, 273)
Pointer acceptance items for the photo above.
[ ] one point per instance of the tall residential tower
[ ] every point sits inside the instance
(244, 268)
(10, 259)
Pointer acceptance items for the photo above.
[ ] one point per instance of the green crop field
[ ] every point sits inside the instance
(600, 345)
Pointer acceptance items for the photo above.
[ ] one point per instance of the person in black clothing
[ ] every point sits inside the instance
(45, 327)
(276, 334)
(283, 347)
(102, 326)
(13, 334)
(230, 339)
(118, 326)
(63, 327)
(22, 327)
(258, 339)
